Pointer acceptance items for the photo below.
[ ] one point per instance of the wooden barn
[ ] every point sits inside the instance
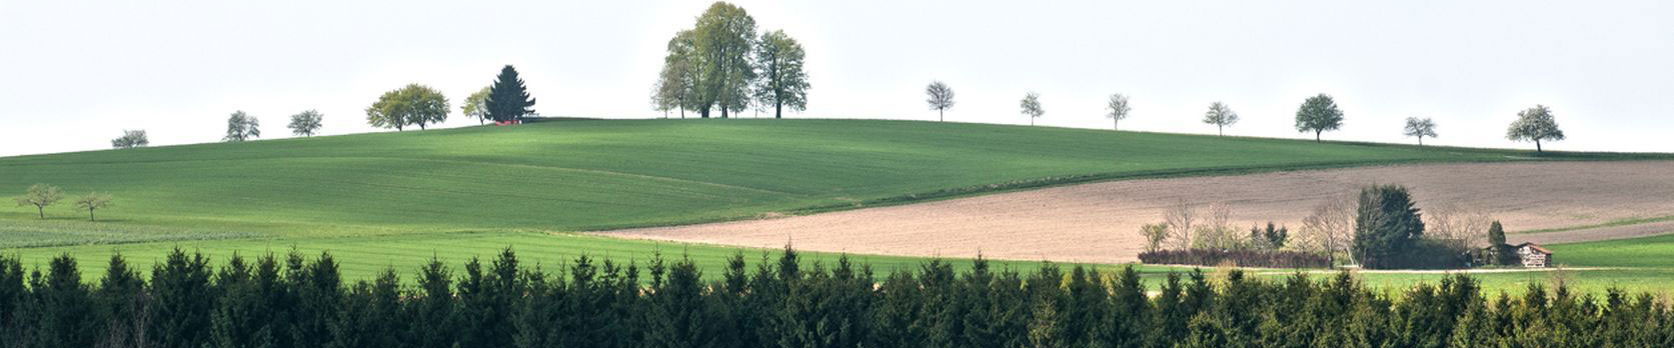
(1532, 255)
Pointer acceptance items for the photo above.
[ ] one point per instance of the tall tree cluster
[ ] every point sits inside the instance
(412, 105)
(297, 301)
(722, 65)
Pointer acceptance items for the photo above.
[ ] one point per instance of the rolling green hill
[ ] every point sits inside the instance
(554, 177)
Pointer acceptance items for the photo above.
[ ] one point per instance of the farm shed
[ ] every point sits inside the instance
(1532, 255)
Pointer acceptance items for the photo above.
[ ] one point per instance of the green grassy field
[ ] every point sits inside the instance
(1639, 264)
(396, 199)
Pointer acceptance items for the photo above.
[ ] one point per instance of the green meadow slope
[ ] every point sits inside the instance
(529, 184)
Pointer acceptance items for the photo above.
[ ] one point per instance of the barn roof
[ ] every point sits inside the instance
(1536, 247)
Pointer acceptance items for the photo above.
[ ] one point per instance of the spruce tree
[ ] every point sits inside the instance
(180, 294)
(13, 295)
(508, 99)
(120, 300)
(64, 307)
(432, 308)
(1387, 225)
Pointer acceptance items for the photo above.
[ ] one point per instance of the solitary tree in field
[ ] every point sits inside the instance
(1318, 114)
(1030, 106)
(783, 82)
(1118, 106)
(941, 98)
(131, 139)
(508, 99)
(1420, 128)
(306, 123)
(1535, 124)
(476, 105)
(93, 201)
(1221, 116)
(241, 127)
(40, 196)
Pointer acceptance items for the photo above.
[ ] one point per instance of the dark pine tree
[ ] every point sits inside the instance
(64, 307)
(121, 302)
(508, 99)
(182, 302)
(432, 309)
(13, 295)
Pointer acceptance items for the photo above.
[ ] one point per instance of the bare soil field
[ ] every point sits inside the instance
(1098, 222)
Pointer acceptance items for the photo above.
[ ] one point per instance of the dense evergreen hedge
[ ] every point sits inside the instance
(294, 302)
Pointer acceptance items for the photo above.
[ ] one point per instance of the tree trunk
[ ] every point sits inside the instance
(1220, 131)
(90, 215)
(1421, 140)
(682, 113)
(778, 110)
(1537, 146)
(941, 115)
(1115, 124)
(421, 125)
(41, 210)
(724, 111)
(1316, 135)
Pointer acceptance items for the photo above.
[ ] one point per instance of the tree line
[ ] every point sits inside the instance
(292, 301)
(1317, 114)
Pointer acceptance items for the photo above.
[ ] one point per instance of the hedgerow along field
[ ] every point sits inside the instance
(539, 180)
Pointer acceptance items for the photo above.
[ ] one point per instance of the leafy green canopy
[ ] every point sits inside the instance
(784, 83)
(508, 99)
(241, 127)
(414, 104)
(1535, 124)
(1318, 114)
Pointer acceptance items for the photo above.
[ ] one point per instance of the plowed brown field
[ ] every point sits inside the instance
(1098, 222)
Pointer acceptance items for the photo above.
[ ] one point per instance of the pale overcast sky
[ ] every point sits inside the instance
(74, 74)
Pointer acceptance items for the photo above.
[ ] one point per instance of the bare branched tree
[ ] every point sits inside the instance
(940, 98)
(1460, 227)
(1329, 229)
(1180, 218)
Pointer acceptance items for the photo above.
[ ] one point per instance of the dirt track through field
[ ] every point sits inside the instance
(1098, 222)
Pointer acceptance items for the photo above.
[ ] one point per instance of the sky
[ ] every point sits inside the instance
(74, 74)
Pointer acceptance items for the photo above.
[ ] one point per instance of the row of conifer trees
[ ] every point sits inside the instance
(296, 302)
